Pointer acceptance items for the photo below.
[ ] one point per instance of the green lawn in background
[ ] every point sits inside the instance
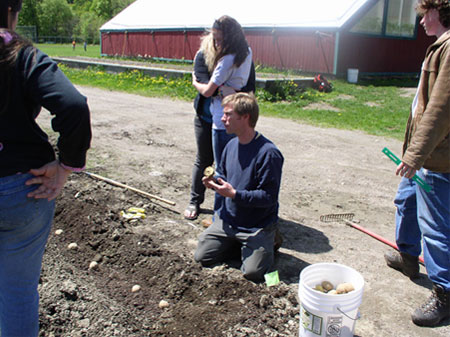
(377, 110)
(377, 107)
(65, 50)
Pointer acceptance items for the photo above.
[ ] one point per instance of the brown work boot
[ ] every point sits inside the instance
(436, 309)
(407, 264)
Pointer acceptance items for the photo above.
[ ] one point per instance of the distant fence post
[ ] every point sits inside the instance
(29, 32)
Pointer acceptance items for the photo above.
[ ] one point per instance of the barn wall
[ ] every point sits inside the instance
(381, 55)
(305, 50)
(161, 44)
(302, 50)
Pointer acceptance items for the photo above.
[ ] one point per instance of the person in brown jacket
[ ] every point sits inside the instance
(426, 151)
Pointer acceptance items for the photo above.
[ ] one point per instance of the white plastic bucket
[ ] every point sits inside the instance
(352, 75)
(328, 315)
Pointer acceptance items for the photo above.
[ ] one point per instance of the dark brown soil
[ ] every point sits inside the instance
(148, 143)
(136, 253)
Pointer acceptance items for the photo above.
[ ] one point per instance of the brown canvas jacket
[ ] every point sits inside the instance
(427, 139)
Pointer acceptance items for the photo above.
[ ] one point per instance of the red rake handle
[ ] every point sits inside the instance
(376, 236)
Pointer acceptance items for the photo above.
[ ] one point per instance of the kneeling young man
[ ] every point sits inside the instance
(248, 179)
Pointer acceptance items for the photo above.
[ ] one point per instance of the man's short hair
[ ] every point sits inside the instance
(244, 103)
(442, 6)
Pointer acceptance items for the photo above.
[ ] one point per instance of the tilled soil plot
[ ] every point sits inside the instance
(148, 143)
(201, 302)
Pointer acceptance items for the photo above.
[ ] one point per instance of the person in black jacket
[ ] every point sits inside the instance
(31, 176)
(203, 68)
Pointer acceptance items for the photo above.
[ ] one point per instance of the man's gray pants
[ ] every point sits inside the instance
(220, 241)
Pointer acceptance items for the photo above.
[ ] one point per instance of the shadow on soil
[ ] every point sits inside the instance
(303, 239)
(423, 281)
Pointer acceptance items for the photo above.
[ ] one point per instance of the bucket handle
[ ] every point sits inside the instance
(358, 315)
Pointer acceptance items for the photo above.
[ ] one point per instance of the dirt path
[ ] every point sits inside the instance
(148, 143)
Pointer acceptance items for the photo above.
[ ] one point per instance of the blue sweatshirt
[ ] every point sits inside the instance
(254, 170)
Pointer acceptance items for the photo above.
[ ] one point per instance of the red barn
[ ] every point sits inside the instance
(327, 36)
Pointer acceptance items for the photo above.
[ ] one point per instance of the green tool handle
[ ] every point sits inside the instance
(416, 178)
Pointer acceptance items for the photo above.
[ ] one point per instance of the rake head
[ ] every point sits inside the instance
(337, 217)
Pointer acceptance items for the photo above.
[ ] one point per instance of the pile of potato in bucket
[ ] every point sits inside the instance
(328, 288)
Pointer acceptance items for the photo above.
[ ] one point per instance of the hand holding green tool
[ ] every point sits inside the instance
(416, 178)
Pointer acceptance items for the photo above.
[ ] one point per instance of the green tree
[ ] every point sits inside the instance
(88, 27)
(56, 18)
(102, 8)
(29, 13)
(82, 6)
(106, 9)
(66, 18)
(121, 5)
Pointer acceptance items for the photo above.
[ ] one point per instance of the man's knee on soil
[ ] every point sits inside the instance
(206, 258)
(255, 269)
(199, 255)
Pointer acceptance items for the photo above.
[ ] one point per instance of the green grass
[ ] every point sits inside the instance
(376, 107)
(376, 110)
(65, 50)
(132, 82)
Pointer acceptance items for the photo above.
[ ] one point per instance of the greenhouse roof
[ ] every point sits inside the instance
(183, 14)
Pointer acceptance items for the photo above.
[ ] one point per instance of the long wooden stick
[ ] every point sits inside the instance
(116, 183)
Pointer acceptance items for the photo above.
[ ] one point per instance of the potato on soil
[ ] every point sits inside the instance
(163, 304)
(93, 265)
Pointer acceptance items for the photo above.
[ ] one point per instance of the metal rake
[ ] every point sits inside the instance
(337, 217)
(347, 218)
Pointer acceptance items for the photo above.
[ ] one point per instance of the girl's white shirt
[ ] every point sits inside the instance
(225, 73)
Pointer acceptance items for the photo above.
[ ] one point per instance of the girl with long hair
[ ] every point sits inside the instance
(232, 65)
(229, 55)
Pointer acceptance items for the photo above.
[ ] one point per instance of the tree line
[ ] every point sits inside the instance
(74, 19)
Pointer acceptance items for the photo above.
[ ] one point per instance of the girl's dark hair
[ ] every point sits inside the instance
(10, 46)
(442, 6)
(234, 41)
(16, 6)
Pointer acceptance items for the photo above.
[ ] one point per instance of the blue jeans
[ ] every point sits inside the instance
(426, 215)
(220, 138)
(407, 231)
(24, 228)
(433, 211)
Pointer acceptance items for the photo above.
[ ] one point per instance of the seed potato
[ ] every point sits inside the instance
(209, 172)
(327, 285)
(163, 304)
(319, 287)
(93, 265)
(344, 288)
